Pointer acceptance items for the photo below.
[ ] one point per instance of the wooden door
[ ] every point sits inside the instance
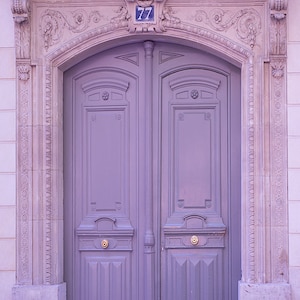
(199, 141)
(152, 175)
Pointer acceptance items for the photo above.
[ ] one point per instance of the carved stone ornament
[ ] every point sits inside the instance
(127, 13)
(24, 72)
(278, 4)
(277, 70)
(53, 23)
(278, 34)
(20, 10)
(247, 22)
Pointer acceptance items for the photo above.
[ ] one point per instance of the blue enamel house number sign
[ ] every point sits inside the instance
(144, 14)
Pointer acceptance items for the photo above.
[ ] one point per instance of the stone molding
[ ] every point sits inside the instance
(62, 31)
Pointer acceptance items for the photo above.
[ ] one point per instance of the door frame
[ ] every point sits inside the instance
(153, 117)
(262, 60)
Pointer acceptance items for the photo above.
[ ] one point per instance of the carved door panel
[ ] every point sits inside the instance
(101, 165)
(199, 170)
(152, 172)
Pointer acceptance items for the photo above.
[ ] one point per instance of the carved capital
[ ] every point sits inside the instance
(277, 69)
(20, 10)
(278, 4)
(278, 9)
(278, 30)
(24, 72)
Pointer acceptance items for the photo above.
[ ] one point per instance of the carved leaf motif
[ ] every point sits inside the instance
(246, 21)
(24, 71)
(53, 23)
(277, 70)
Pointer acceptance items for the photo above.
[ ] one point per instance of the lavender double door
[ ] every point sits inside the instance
(152, 175)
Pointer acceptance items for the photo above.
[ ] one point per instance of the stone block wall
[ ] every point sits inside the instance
(294, 143)
(7, 152)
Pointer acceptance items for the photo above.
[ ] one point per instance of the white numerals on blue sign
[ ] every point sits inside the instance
(144, 14)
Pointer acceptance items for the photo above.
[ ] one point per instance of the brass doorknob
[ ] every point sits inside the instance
(194, 240)
(104, 244)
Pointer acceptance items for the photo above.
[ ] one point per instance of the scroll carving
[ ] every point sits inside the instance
(247, 22)
(122, 15)
(54, 22)
(167, 16)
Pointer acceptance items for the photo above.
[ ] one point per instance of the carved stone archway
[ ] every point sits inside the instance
(52, 36)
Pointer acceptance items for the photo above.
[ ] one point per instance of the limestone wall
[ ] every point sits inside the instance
(294, 143)
(7, 152)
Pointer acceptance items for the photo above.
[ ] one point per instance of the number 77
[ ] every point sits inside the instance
(143, 10)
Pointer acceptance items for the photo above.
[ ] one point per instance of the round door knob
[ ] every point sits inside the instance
(104, 244)
(194, 240)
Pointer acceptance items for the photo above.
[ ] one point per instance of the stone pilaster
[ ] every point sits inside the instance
(35, 220)
(21, 15)
(278, 143)
(274, 280)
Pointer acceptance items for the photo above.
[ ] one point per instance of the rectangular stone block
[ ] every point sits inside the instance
(7, 94)
(8, 254)
(293, 152)
(268, 291)
(8, 125)
(7, 281)
(40, 292)
(7, 221)
(293, 184)
(8, 157)
(8, 189)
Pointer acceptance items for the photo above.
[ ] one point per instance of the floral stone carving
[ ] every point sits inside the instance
(54, 22)
(247, 22)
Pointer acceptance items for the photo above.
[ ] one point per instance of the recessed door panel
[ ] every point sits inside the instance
(105, 276)
(194, 159)
(152, 177)
(107, 160)
(194, 275)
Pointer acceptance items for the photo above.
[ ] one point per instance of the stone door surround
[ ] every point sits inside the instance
(52, 36)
